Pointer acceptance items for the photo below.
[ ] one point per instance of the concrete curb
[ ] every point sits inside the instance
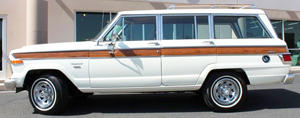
(295, 69)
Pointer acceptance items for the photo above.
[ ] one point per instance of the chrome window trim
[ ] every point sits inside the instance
(195, 23)
(209, 23)
(126, 16)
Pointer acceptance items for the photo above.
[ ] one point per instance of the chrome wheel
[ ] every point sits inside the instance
(43, 94)
(226, 91)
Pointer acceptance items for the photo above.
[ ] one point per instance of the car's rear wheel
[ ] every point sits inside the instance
(224, 91)
(48, 94)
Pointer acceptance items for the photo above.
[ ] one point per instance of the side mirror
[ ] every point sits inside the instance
(114, 38)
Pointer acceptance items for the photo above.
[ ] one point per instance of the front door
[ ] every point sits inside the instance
(133, 60)
(2, 47)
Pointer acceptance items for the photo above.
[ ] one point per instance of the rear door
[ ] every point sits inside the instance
(187, 48)
(244, 42)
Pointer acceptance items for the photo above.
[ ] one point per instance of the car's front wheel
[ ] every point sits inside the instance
(224, 91)
(48, 94)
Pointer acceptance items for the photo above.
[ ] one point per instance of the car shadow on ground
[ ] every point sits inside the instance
(182, 102)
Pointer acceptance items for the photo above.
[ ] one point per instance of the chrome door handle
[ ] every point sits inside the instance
(153, 43)
(271, 51)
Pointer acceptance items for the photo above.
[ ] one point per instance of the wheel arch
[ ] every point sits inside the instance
(240, 71)
(34, 74)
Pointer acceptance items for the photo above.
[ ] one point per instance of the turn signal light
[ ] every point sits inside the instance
(16, 61)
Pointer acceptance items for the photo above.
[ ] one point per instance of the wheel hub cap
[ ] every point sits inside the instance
(225, 91)
(43, 94)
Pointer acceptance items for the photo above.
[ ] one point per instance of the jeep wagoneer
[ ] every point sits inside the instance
(214, 52)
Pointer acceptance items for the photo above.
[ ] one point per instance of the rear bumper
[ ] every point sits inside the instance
(289, 79)
(10, 84)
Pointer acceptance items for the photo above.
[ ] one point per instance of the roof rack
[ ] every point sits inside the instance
(214, 6)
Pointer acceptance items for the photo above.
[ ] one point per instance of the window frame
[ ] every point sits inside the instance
(122, 16)
(209, 25)
(240, 15)
(208, 15)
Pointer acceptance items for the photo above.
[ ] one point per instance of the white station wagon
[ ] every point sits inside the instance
(214, 52)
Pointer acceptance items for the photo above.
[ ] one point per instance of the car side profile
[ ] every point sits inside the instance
(214, 52)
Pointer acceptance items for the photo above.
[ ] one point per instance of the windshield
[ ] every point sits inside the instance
(100, 33)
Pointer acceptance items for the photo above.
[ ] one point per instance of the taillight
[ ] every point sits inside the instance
(286, 57)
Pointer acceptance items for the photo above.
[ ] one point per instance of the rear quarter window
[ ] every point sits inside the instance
(238, 27)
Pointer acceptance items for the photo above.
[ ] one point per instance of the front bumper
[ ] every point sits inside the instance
(10, 84)
(289, 79)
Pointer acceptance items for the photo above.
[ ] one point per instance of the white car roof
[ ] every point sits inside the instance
(196, 11)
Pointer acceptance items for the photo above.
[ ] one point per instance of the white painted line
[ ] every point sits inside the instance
(7, 92)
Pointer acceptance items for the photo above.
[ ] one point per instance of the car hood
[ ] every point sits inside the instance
(56, 47)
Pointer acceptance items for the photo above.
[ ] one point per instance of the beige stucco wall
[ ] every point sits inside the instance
(15, 11)
(61, 13)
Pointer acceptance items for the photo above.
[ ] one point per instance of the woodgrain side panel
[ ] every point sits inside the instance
(52, 54)
(126, 53)
(251, 50)
(154, 52)
(189, 51)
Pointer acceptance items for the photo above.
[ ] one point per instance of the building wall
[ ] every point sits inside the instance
(61, 14)
(15, 11)
(290, 5)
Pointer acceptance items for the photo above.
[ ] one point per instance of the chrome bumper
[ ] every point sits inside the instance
(289, 79)
(10, 84)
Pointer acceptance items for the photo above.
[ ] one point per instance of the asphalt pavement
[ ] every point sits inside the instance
(276, 101)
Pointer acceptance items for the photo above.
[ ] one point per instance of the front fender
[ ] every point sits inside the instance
(78, 76)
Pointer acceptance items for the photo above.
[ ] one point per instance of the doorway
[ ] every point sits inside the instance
(3, 47)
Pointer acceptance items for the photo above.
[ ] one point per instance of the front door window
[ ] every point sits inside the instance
(134, 29)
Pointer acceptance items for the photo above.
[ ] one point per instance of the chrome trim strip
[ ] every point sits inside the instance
(223, 46)
(245, 54)
(188, 55)
(125, 57)
(53, 58)
(253, 46)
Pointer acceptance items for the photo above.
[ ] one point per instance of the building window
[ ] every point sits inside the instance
(292, 33)
(292, 39)
(289, 31)
(277, 24)
(1, 44)
(89, 24)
